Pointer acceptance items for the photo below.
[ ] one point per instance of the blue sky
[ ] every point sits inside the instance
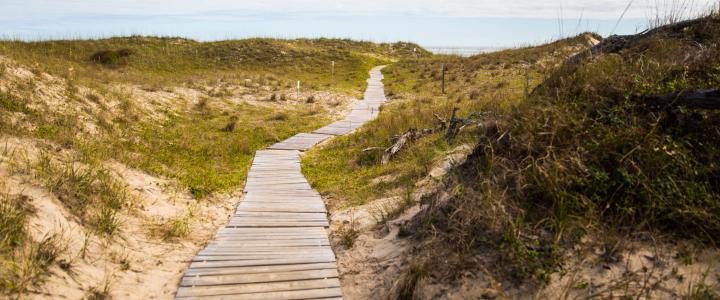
(469, 23)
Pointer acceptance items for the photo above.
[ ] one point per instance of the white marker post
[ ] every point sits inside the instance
(298, 91)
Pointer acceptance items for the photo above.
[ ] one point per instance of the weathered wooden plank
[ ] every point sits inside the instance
(258, 269)
(250, 244)
(266, 250)
(271, 230)
(287, 209)
(302, 231)
(299, 195)
(277, 224)
(270, 236)
(236, 289)
(294, 222)
(307, 204)
(262, 277)
(272, 216)
(283, 295)
(284, 215)
(282, 207)
(262, 262)
(261, 256)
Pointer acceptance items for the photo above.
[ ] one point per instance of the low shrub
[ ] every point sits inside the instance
(112, 57)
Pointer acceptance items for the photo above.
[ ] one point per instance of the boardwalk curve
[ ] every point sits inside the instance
(276, 245)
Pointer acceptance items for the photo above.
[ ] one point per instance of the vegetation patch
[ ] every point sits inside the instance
(349, 169)
(159, 62)
(111, 57)
(24, 262)
(583, 155)
(12, 103)
(203, 150)
(90, 192)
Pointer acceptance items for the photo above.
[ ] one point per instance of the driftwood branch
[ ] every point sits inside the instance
(694, 99)
(453, 127)
(443, 122)
(411, 135)
(458, 124)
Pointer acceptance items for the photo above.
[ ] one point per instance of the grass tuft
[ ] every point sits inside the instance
(89, 192)
(172, 229)
(24, 262)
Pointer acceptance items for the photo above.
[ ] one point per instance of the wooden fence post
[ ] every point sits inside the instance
(443, 78)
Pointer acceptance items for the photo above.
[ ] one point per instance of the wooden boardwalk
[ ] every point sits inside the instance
(276, 245)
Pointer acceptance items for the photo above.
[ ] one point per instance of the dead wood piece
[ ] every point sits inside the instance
(458, 124)
(693, 99)
(411, 135)
(373, 149)
(454, 126)
(443, 122)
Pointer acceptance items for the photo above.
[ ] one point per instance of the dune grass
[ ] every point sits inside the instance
(492, 83)
(90, 192)
(577, 155)
(585, 156)
(207, 147)
(199, 151)
(24, 262)
(159, 62)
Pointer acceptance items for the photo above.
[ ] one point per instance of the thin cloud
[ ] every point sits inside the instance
(540, 9)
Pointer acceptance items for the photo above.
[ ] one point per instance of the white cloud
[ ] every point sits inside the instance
(544, 9)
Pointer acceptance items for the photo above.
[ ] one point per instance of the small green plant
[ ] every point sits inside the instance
(279, 117)
(202, 103)
(174, 228)
(99, 292)
(199, 192)
(12, 103)
(406, 287)
(14, 211)
(106, 221)
(230, 126)
(701, 291)
(93, 97)
(348, 233)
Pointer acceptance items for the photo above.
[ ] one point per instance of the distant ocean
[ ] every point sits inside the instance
(462, 51)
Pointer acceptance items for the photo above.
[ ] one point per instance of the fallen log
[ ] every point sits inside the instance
(693, 99)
